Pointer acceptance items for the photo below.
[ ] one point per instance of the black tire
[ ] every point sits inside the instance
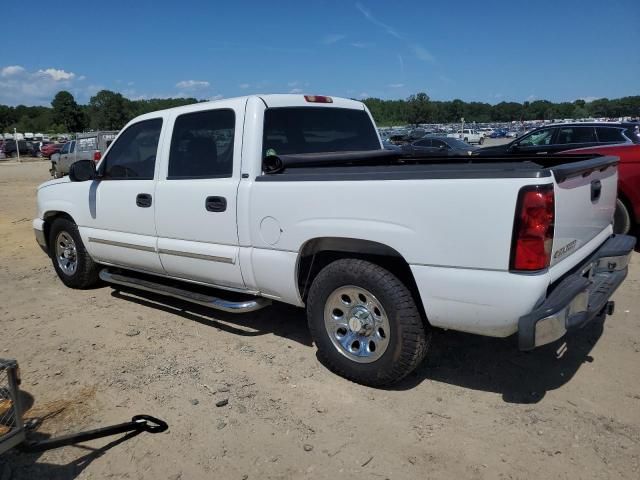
(621, 218)
(409, 336)
(86, 271)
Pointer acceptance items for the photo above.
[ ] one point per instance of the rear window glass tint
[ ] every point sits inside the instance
(293, 130)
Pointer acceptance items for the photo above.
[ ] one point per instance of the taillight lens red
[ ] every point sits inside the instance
(533, 229)
(97, 156)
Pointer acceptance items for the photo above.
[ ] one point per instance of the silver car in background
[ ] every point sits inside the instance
(86, 146)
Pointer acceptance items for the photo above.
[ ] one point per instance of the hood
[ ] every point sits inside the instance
(55, 181)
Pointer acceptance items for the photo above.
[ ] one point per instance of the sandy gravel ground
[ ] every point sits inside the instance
(477, 408)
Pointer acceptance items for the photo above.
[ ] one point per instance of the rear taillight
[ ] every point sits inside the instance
(533, 229)
(97, 156)
(318, 99)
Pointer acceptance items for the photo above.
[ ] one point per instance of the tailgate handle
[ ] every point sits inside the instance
(596, 189)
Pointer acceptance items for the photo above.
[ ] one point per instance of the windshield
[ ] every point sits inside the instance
(291, 130)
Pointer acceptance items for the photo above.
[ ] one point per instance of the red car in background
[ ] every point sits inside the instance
(627, 214)
(51, 148)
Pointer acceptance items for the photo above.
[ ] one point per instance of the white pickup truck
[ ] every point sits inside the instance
(469, 135)
(239, 202)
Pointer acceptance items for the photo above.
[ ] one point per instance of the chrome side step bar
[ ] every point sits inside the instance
(244, 306)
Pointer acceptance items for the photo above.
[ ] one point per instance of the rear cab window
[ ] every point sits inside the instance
(295, 130)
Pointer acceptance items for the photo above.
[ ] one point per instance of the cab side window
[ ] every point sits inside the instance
(65, 148)
(576, 135)
(540, 137)
(202, 145)
(133, 156)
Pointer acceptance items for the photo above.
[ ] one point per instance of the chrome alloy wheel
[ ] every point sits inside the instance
(357, 324)
(66, 253)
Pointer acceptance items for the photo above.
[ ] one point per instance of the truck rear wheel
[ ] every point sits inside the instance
(365, 323)
(70, 259)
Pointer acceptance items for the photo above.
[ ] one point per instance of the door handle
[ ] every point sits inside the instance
(596, 190)
(215, 204)
(143, 200)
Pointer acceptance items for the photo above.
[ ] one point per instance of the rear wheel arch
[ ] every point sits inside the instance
(317, 253)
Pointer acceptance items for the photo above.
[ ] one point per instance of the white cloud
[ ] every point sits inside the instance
(193, 84)
(589, 99)
(361, 44)
(244, 86)
(333, 38)
(20, 86)
(295, 83)
(82, 77)
(363, 95)
(216, 97)
(295, 90)
(11, 70)
(367, 14)
(395, 85)
(57, 74)
(423, 54)
(531, 98)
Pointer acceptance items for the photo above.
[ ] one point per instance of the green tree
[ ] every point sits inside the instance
(67, 112)
(419, 108)
(109, 110)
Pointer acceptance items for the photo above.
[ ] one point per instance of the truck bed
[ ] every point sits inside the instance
(388, 165)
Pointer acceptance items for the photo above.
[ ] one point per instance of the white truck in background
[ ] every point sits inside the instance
(469, 135)
(290, 198)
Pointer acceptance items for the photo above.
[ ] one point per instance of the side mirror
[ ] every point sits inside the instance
(514, 147)
(442, 147)
(82, 170)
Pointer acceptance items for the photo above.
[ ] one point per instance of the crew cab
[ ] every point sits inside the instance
(468, 135)
(239, 202)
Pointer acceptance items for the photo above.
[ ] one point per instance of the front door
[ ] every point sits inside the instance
(196, 198)
(122, 204)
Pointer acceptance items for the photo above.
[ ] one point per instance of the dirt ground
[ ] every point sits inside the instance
(477, 408)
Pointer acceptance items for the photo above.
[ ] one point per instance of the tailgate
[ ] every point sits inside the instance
(585, 200)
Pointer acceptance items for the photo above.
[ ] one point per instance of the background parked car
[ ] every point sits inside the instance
(26, 148)
(567, 136)
(431, 145)
(87, 146)
(627, 215)
(50, 148)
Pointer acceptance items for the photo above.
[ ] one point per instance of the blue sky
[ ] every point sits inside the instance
(482, 50)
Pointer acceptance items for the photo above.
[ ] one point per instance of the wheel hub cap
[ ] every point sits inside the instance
(66, 254)
(357, 324)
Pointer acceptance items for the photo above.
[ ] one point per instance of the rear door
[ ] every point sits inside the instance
(196, 197)
(585, 199)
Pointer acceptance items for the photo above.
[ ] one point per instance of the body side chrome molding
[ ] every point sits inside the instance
(198, 256)
(113, 243)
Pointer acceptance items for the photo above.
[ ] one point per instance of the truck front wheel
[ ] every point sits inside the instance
(70, 258)
(365, 323)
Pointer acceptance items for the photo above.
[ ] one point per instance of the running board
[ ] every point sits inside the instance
(244, 306)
